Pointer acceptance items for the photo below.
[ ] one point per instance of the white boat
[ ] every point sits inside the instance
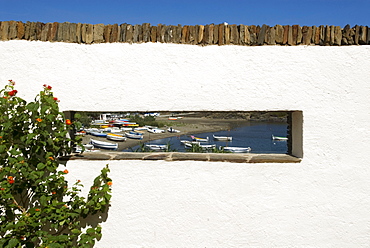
(172, 130)
(155, 130)
(279, 138)
(134, 135)
(183, 142)
(199, 139)
(98, 134)
(222, 138)
(191, 144)
(156, 147)
(103, 144)
(115, 137)
(235, 149)
(140, 128)
(88, 148)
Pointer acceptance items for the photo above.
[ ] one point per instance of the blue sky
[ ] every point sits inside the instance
(190, 12)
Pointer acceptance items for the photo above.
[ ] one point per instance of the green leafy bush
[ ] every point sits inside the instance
(37, 206)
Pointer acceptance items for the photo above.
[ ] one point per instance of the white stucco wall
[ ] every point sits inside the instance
(321, 202)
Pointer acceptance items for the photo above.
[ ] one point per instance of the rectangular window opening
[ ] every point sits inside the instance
(192, 135)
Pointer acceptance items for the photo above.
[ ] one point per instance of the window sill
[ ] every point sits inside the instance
(180, 156)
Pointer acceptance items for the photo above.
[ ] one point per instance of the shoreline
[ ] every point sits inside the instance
(187, 126)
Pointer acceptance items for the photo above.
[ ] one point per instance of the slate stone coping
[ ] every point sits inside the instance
(179, 156)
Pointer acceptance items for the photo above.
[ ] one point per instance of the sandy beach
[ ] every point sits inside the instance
(187, 126)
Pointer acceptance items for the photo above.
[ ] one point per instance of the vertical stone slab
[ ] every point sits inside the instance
(357, 34)
(106, 32)
(184, 33)
(322, 35)
(153, 34)
(294, 34)
(12, 30)
(146, 32)
(221, 34)
(135, 37)
(368, 36)
(89, 33)
(65, 33)
(162, 33)
(114, 37)
(363, 35)
(327, 36)
(98, 33)
(306, 35)
(39, 28)
(167, 34)
(138, 34)
(337, 35)
(178, 33)
(242, 34)
(123, 29)
(279, 34)
(4, 30)
(316, 36)
(215, 34)
(253, 35)
(192, 34)
(129, 33)
(52, 34)
(20, 30)
(200, 34)
(299, 35)
(234, 35)
(159, 28)
(33, 31)
(286, 34)
(313, 34)
(271, 36)
(348, 35)
(227, 34)
(27, 30)
(290, 36)
(60, 32)
(83, 32)
(44, 32)
(332, 35)
(261, 35)
(78, 32)
(73, 32)
(206, 34)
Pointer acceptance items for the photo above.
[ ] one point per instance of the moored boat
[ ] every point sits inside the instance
(222, 138)
(156, 147)
(103, 144)
(134, 135)
(155, 130)
(279, 138)
(98, 134)
(115, 137)
(204, 147)
(235, 149)
(199, 139)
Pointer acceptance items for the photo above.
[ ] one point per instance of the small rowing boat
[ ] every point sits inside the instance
(103, 144)
(235, 149)
(115, 137)
(199, 139)
(279, 138)
(156, 147)
(222, 138)
(134, 135)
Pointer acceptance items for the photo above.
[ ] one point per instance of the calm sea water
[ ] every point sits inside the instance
(256, 135)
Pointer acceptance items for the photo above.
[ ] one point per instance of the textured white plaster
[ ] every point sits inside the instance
(321, 202)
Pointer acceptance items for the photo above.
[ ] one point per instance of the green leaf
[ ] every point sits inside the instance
(12, 243)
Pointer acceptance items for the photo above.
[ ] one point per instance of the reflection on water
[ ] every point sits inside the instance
(256, 135)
